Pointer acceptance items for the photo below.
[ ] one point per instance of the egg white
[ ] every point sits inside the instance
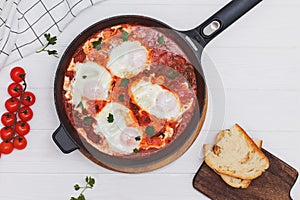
(156, 100)
(121, 133)
(91, 81)
(127, 59)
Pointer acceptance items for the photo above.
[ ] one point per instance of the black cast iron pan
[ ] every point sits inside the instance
(192, 43)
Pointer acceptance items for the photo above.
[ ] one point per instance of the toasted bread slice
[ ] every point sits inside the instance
(237, 182)
(235, 154)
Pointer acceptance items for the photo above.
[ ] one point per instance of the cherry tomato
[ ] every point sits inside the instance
(22, 128)
(8, 119)
(12, 104)
(15, 89)
(6, 147)
(25, 113)
(20, 142)
(28, 99)
(6, 133)
(17, 74)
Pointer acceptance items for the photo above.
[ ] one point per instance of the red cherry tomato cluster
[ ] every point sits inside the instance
(15, 120)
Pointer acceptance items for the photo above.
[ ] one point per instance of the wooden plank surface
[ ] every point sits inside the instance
(274, 184)
(257, 60)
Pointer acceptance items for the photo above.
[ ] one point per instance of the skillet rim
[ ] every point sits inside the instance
(144, 164)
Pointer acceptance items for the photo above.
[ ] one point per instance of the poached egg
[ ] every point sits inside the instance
(127, 59)
(117, 124)
(91, 81)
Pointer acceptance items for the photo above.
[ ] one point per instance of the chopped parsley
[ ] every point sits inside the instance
(80, 105)
(135, 150)
(84, 76)
(121, 98)
(125, 35)
(124, 82)
(97, 44)
(110, 118)
(150, 131)
(137, 138)
(161, 40)
(171, 74)
(88, 120)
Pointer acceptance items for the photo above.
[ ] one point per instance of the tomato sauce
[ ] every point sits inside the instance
(168, 67)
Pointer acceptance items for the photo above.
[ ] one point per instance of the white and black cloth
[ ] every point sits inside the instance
(23, 24)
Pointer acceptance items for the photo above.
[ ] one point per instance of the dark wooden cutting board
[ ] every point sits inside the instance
(274, 184)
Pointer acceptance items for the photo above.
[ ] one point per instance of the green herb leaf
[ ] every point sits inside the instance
(47, 36)
(76, 187)
(97, 44)
(84, 76)
(171, 74)
(110, 118)
(124, 82)
(73, 198)
(161, 40)
(150, 131)
(80, 105)
(137, 138)
(91, 181)
(125, 35)
(51, 40)
(121, 98)
(52, 52)
(88, 120)
(81, 197)
(135, 150)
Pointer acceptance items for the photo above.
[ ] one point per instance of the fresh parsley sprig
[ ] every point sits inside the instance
(89, 185)
(50, 41)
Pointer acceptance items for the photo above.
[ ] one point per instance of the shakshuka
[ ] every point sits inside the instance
(129, 89)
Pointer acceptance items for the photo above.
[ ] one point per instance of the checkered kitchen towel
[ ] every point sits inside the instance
(24, 22)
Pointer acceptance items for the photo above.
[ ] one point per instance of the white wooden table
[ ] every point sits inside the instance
(258, 60)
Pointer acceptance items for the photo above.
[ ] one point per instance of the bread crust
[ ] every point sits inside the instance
(236, 182)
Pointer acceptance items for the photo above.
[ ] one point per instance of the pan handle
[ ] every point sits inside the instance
(222, 19)
(63, 140)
